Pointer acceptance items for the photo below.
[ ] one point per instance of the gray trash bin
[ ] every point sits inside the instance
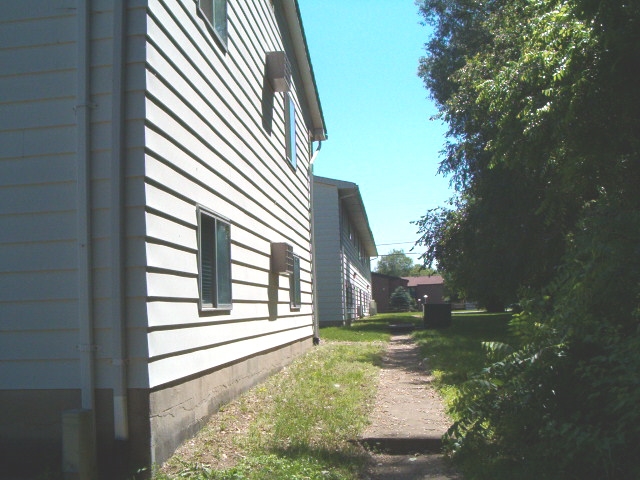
(437, 315)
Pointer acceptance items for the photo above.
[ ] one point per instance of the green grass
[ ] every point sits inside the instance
(370, 329)
(297, 425)
(455, 352)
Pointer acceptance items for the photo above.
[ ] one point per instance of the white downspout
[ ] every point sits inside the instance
(85, 278)
(117, 221)
(78, 425)
(314, 285)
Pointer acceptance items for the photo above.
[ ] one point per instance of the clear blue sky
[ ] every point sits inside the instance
(377, 111)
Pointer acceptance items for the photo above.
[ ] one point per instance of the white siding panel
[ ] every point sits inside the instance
(167, 342)
(36, 227)
(42, 114)
(171, 205)
(173, 368)
(171, 286)
(35, 257)
(38, 315)
(162, 229)
(38, 286)
(42, 345)
(37, 198)
(170, 314)
(44, 374)
(44, 58)
(36, 170)
(161, 256)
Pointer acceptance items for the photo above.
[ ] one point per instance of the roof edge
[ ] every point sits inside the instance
(294, 20)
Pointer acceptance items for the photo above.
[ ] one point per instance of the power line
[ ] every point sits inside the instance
(396, 243)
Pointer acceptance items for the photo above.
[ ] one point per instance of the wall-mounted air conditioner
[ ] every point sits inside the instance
(281, 258)
(278, 71)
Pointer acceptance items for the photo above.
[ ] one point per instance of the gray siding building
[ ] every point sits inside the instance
(343, 245)
(152, 152)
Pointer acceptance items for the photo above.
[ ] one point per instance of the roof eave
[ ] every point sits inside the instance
(303, 59)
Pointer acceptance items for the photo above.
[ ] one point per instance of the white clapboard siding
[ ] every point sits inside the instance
(330, 282)
(206, 146)
(41, 374)
(196, 67)
(166, 342)
(168, 369)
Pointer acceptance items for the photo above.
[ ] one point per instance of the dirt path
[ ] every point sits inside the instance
(408, 420)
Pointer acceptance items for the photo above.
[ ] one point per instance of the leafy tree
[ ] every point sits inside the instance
(543, 148)
(419, 270)
(400, 300)
(395, 263)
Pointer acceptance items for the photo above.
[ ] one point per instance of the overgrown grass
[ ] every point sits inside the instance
(297, 425)
(455, 352)
(370, 329)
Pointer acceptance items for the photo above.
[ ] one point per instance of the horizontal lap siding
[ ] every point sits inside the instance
(38, 193)
(328, 248)
(356, 270)
(38, 304)
(206, 145)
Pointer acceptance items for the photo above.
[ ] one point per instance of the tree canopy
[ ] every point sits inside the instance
(398, 264)
(395, 263)
(541, 102)
(543, 107)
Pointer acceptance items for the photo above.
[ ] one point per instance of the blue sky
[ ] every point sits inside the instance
(365, 57)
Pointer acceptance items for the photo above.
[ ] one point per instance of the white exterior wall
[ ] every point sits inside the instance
(206, 145)
(344, 275)
(39, 193)
(195, 133)
(328, 253)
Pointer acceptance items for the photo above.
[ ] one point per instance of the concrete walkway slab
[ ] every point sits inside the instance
(408, 420)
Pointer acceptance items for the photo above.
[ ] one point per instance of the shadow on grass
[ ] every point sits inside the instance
(457, 351)
(346, 463)
(370, 329)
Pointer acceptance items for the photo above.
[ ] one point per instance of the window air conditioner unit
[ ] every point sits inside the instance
(281, 258)
(278, 71)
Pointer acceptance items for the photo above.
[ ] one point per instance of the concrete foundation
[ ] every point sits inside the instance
(179, 411)
(79, 445)
(35, 431)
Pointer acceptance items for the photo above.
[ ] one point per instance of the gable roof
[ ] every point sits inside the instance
(424, 280)
(294, 21)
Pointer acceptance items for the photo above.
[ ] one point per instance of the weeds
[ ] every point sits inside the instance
(297, 425)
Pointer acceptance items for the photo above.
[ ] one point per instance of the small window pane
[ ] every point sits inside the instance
(290, 127)
(296, 294)
(223, 263)
(215, 11)
(220, 18)
(215, 262)
(207, 258)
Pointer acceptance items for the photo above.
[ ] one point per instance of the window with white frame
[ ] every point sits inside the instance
(290, 128)
(215, 12)
(294, 278)
(214, 259)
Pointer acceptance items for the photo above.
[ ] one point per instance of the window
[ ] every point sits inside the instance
(290, 129)
(294, 278)
(214, 247)
(215, 11)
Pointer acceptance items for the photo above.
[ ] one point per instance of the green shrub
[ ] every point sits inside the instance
(400, 300)
(565, 405)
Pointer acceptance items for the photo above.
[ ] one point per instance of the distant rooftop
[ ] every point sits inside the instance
(424, 280)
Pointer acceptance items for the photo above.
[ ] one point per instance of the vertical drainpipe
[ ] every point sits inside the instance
(85, 278)
(314, 285)
(117, 221)
(79, 425)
